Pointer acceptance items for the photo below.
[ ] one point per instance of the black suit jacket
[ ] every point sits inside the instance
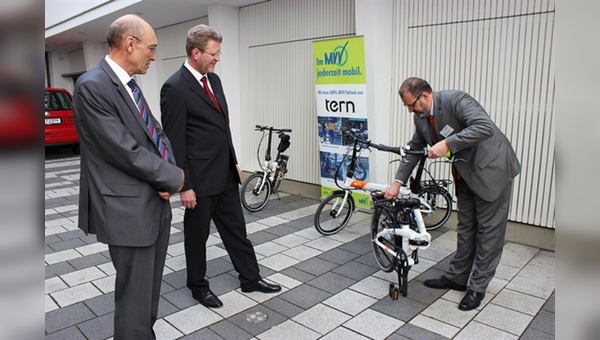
(199, 133)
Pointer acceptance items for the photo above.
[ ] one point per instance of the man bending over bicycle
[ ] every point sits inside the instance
(453, 121)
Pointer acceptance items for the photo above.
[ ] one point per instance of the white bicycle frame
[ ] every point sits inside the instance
(407, 235)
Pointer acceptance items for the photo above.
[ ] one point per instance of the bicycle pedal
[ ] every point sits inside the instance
(394, 291)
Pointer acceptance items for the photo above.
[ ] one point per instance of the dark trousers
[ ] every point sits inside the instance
(226, 211)
(137, 285)
(480, 240)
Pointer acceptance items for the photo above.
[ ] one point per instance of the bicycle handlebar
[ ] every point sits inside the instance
(399, 150)
(264, 127)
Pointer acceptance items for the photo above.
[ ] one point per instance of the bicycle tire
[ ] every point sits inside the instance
(440, 201)
(379, 222)
(325, 221)
(252, 200)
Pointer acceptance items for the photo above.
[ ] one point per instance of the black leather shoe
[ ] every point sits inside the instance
(208, 299)
(262, 286)
(471, 301)
(443, 283)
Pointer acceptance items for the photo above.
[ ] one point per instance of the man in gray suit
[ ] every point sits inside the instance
(452, 121)
(128, 173)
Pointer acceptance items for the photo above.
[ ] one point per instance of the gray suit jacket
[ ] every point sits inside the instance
(121, 168)
(490, 163)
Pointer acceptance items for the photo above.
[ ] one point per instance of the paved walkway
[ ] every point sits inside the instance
(332, 288)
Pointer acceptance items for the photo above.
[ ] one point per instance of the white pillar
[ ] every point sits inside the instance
(374, 21)
(225, 19)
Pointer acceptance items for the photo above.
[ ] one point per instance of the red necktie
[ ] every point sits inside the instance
(211, 95)
(437, 139)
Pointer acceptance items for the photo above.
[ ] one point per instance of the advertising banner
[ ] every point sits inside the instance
(340, 83)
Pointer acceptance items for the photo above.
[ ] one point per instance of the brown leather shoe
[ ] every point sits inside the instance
(443, 283)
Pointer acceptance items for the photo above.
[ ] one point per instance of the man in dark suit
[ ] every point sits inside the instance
(125, 181)
(196, 119)
(452, 121)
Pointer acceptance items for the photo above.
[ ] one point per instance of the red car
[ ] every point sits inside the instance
(59, 122)
(19, 122)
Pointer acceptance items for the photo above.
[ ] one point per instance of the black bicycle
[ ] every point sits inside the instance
(258, 187)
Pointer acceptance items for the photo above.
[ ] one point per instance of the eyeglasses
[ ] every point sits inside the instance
(416, 100)
(152, 48)
(216, 54)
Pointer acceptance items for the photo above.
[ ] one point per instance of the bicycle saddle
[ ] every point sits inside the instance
(408, 203)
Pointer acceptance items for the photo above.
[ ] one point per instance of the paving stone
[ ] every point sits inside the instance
(166, 308)
(316, 266)
(67, 316)
(550, 304)
(102, 304)
(227, 330)
(283, 307)
(89, 261)
(217, 267)
(331, 282)
(297, 274)
(261, 237)
(51, 239)
(71, 234)
(98, 328)
(338, 256)
(71, 333)
(404, 309)
(544, 321)
(410, 331)
(534, 334)
(305, 296)
(359, 246)
(57, 269)
(282, 230)
(355, 270)
(177, 279)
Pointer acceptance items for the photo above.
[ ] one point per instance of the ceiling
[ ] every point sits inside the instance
(159, 13)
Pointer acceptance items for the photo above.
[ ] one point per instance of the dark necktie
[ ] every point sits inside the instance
(437, 139)
(145, 113)
(211, 95)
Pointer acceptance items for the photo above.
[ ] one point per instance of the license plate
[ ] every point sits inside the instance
(52, 121)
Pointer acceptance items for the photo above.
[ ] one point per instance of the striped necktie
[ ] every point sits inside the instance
(145, 113)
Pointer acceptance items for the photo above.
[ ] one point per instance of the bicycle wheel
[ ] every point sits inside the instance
(381, 220)
(333, 213)
(441, 206)
(360, 173)
(254, 193)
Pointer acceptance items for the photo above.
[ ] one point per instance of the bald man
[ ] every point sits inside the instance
(128, 174)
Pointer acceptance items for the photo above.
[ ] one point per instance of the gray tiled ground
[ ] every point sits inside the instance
(332, 287)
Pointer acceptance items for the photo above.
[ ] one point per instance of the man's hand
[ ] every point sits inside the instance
(188, 199)
(182, 181)
(438, 150)
(164, 195)
(392, 191)
(239, 170)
